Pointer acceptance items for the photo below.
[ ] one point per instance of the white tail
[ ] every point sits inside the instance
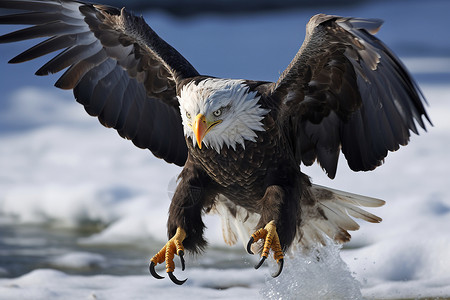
(331, 214)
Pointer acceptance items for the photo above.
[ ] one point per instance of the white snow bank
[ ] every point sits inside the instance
(73, 173)
(408, 266)
(202, 284)
(78, 260)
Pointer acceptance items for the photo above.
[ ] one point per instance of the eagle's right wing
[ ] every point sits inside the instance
(118, 67)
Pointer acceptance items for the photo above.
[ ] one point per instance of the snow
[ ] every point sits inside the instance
(52, 284)
(60, 168)
(78, 260)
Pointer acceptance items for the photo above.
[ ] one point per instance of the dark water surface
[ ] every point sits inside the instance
(27, 247)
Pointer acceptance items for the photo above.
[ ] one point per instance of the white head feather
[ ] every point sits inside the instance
(241, 114)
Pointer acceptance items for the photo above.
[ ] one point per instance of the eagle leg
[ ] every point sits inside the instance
(271, 241)
(167, 254)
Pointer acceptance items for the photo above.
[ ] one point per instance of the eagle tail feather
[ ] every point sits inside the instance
(332, 215)
(236, 221)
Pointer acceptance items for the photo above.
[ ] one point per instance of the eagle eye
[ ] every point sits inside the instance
(217, 113)
(188, 115)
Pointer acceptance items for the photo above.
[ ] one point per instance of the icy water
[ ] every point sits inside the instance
(27, 247)
(24, 248)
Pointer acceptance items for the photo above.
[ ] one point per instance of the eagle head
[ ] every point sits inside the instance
(218, 112)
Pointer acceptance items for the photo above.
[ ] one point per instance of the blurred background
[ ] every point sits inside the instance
(75, 197)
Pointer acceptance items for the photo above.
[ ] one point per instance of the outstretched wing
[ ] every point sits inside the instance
(118, 67)
(345, 90)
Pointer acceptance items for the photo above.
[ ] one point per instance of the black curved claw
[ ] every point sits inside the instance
(249, 245)
(181, 255)
(280, 268)
(153, 272)
(263, 258)
(175, 280)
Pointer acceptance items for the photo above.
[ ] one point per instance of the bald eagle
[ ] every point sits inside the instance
(240, 142)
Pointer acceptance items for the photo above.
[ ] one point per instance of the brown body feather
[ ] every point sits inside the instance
(263, 178)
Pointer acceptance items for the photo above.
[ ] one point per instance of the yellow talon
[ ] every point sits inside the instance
(271, 241)
(167, 254)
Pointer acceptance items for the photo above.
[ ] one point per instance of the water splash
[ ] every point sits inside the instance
(318, 274)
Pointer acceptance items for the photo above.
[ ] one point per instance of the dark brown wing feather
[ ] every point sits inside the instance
(345, 90)
(118, 67)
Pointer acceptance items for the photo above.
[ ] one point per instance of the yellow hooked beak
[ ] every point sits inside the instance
(201, 127)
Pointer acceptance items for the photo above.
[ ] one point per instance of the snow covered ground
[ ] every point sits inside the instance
(60, 169)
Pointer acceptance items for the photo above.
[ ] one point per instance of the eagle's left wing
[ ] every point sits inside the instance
(345, 90)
